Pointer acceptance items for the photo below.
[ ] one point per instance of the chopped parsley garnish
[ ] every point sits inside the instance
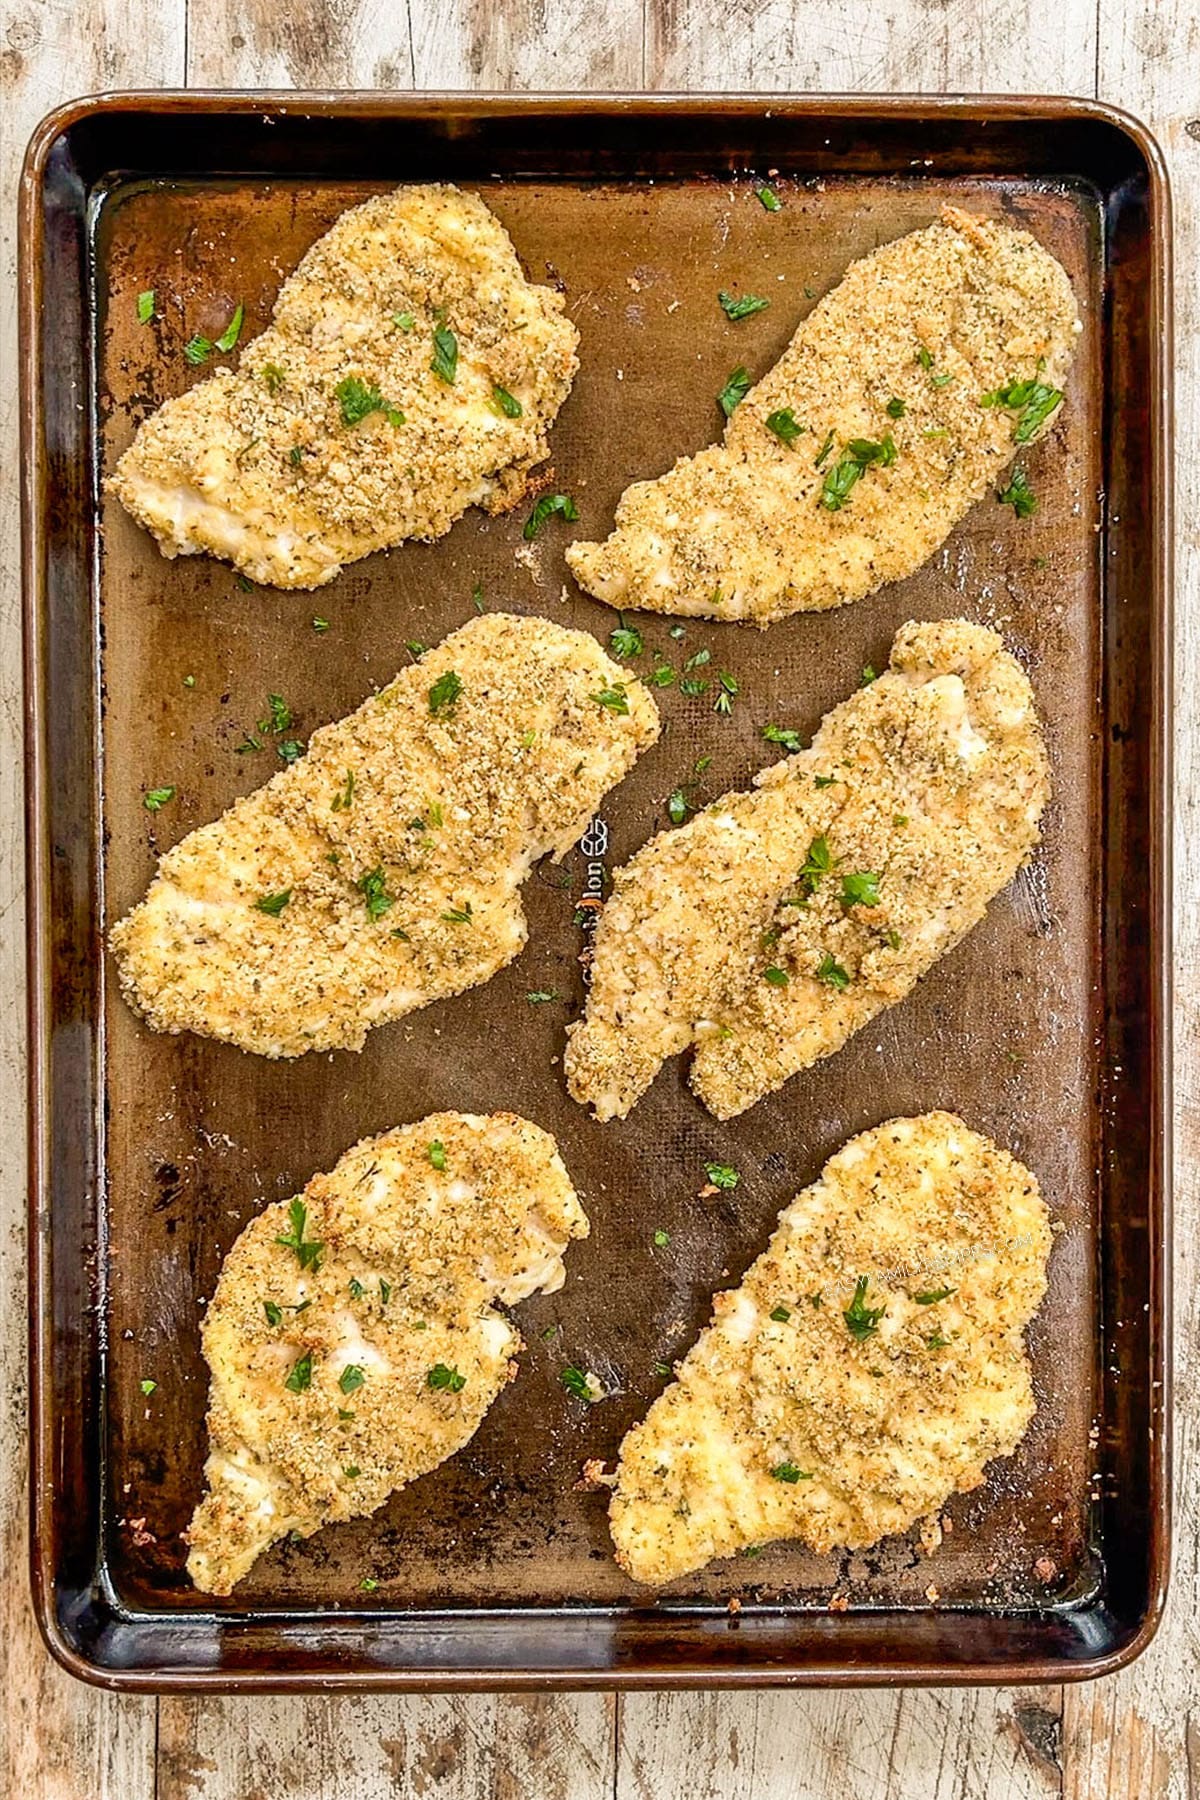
(661, 675)
(319, 625)
(295, 456)
(832, 973)
(860, 890)
(579, 1383)
(437, 1154)
(368, 1584)
(868, 676)
(937, 1342)
(787, 1471)
(352, 1471)
(541, 996)
(924, 357)
(625, 640)
(274, 377)
(662, 1369)
(862, 1321)
(823, 452)
(614, 698)
(357, 400)
(300, 1378)
(661, 1239)
(734, 391)
(445, 692)
(546, 508)
(279, 716)
(145, 306)
(743, 308)
(233, 330)
(357, 1290)
(1032, 401)
(933, 1295)
(818, 862)
(727, 688)
(289, 750)
(448, 1379)
(156, 798)
(1019, 495)
(698, 660)
(940, 381)
(445, 353)
(273, 904)
(895, 407)
(343, 800)
(373, 888)
(892, 937)
(781, 1314)
(783, 734)
(385, 1293)
(506, 403)
(776, 977)
(824, 781)
(404, 321)
(197, 349)
(351, 1378)
(783, 423)
(678, 806)
(415, 650)
(860, 454)
(769, 198)
(273, 1312)
(147, 1386)
(308, 1250)
(692, 686)
(477, 597)
(458, 915)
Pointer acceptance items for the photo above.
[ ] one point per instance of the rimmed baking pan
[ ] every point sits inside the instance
(1048, 1028)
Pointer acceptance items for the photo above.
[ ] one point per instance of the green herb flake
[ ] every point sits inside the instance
(444, 1379)
(781, 1314)
(300, 1379)
(937, 1342)
(351, 1378)
(783, 423)
(924, 357)
(735, 390)
(769, 198)
(233, 330)
(783, 734)
(678, 806)
(279, 716)
(273, 1312)
(932, 1296)
(446, 692)
(862, 1321)
(776, 977)
(661, 1239)
(154, 799)
(437, 1154)
(357, 1290)
(579, 1383)
(273, 904)
(817, 863)
(368, 1584)
(197, 349)
(444, 362)
(358, 400)
(742, 308)
(1032, 401)
(722, 1175)
(320, 625)
(614, 698)
(861, 889)
(541, 996)
(308, 1250)
(458, 915)
(295, 456)
(823, 452)
(145, 306)
(787, 1471)
(832, 973)
(548, 507)
(373, 888)
(1019, 495)
(843, 477)
(343, 800)
(728, 689)
(662, 675)
(289, 750)
(625, 640)
(352, 1471)
(824, 781)
(506, 403)
(274, 377)
(403, 321)
(385, 1294)
(868, 676)
(148, 1387)
(895, 408)
(662, 1369)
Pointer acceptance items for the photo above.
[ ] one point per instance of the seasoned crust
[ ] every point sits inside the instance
(866, 1434)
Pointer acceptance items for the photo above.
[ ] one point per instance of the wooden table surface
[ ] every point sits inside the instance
(1137, 1734)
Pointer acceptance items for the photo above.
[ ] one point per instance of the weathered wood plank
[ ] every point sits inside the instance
(509, 1748)
(58, 1740)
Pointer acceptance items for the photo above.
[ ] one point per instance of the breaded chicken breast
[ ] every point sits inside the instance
(411, 371)
(870, 1365)
(777, 922)
(903, 395)
(354, 1337)
(381, 870)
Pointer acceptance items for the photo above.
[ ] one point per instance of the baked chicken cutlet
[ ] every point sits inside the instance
(410, 371)
(778, 922)
(870, 1365)
(355, 1337)
(381, 871)
(901, 398)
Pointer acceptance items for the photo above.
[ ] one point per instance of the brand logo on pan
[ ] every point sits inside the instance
(594, 846)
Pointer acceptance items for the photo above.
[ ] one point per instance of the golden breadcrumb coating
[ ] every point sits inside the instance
(898, 356)
(276, 468)
(777, 922)
(366, 1348)
(381, 870)
(789, 1419)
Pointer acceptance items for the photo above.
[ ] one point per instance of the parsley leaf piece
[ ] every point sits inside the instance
(300, 1379)
(614, 698)
(273, 904)
(343, 800)
(1019, 495)
(274, 1313)
(625, 640)
(351, 1378)
(781, 1314)
(817, 863)
(373, 888)
(145, 306)
(860, 890)
(448, 1379)
(445, 353)
(156, 798)
(924, 357)
(860, 454)
(403, 321)
(147, 1386)
(769, 198)
(437, 1154)
(824, 781)
(279, 716)
(823, 452)
(868, 675)
(722, 1175)
(274, 377)
(661, 1239)
(937, 1342)
(783, 423)
(692, 686)
(197, 349)
(776, 977)
(458, 915)
(541, 996)
(368, 1584)
(295, 456)
(728, 688)
(787, 1471)
(743, 308)
(783, 734)
(1032, 401)
(832, 973)
(678, 806)
(941, 380)
(233, 330)
(308, 1250)
(385, 1293)
(357, 1290)
(546, 508)
(895, 407)
(506, 403)
(581, 1384)
(698, 661)
(319, 624)
(661, 675)
(932, 1296)
(289, 750)
(445, 692)
(734, 391)
(862, 1321)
